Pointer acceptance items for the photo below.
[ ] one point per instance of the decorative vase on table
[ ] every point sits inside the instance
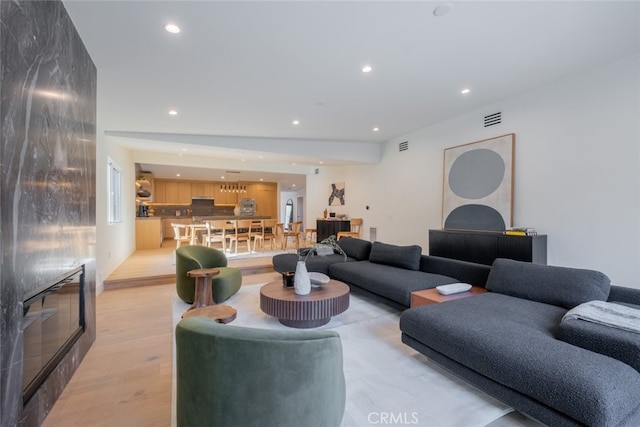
(236, 211)
(301, 280)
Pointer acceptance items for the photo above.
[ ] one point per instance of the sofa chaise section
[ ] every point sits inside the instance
(508, 343)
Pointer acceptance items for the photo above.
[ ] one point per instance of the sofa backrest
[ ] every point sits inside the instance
(407, 257)
(355, 248)
(560, 286)
(464, 271)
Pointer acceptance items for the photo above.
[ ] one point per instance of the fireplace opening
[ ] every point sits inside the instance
(53, 320)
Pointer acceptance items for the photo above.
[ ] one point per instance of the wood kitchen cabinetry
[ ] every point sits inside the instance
(266, 196)
(149, 233)
(181, 192)
(159, 192)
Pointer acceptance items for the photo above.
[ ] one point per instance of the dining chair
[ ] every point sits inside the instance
(356, 224)
(293, 231)
(279, 233)
(181, 234)
(270, 232)
(309, 234)
(257, 232)
(241, 233)
(216, 233)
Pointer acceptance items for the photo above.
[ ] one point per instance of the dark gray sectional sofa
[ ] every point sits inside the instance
(512, 343)
(387, 272)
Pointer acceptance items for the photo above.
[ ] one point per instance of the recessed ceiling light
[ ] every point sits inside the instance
(293, 164)
(172, 28)
(222, 177)
(376, 129)
(184, 149)
(296, 122)
(367, 69)
(321, 162)
(293, 185)
(177, 174)
(442, 9)
(465, 91)
(261, 157)
(173, 113)
(261, 179)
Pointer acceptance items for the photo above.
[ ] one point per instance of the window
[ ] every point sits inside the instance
(114, 189)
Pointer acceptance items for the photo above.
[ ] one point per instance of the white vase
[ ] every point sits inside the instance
(301, 280)
(236, 211)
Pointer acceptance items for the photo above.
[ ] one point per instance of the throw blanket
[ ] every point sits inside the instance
(608, 314)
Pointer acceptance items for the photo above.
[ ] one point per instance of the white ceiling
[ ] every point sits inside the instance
(240, 72)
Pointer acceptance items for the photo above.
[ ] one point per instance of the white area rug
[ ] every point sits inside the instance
(386, 380)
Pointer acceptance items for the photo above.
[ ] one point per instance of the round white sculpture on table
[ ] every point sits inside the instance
(318, 279)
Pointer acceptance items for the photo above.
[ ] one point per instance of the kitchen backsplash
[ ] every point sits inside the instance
(189, 211)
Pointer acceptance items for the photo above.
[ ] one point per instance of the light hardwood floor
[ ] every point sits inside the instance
(125, 378)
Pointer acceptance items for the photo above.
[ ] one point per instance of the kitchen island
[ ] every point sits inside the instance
(149, 232)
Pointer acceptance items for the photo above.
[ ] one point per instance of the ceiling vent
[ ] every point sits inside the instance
(403, 146)
(492, 119)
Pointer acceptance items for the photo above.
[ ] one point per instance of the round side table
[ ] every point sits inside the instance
(203, 304)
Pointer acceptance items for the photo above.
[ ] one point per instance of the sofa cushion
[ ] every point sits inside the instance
(393, 283)
(512, 342)
(358, 249)
(617, 343)
(407, 257)
(561, 286)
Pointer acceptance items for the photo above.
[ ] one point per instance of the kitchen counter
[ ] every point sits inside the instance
(223, 217)
(204, 218)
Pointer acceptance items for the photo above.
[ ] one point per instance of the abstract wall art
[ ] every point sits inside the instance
(478, 185)
(336, 194)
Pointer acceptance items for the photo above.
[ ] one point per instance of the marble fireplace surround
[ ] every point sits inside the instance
(47, 190)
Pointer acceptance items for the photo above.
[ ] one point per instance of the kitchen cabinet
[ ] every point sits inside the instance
(181, 192)
(209, 189)
(197, 189)
(184, 192)
(149, 233)
(225, 197)
(159, 195)
(266, 200)
(171, 192)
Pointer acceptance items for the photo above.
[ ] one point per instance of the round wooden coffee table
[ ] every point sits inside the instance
(304, 311)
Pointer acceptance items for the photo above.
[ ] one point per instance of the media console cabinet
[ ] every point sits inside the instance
(483, 247)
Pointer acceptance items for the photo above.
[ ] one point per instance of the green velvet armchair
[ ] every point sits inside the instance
(232, 376)
(194, 257)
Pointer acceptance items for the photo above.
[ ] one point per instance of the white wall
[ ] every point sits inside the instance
(115, 241)
(577, 172)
